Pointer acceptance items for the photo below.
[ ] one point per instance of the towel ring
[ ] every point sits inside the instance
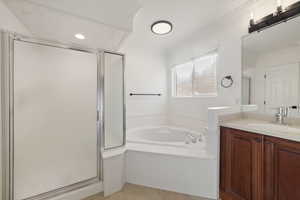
(225, 79)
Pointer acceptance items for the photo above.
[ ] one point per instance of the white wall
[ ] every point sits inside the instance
(226, 36)
(8, 22)
(145, 73)
(192, 112)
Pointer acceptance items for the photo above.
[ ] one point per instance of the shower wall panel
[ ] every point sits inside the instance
(114, 121)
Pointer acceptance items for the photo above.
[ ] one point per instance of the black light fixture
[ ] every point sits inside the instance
(281, 15)
(162, 27)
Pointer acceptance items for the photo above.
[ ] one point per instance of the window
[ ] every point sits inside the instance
(196, 78)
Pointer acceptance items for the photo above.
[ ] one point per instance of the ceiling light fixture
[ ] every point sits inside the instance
(80, 36)
(162, 27)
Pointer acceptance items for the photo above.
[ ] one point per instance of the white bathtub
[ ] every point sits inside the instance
(167, 136)
(165, 157)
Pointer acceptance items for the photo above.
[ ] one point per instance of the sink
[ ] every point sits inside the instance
(275, 127)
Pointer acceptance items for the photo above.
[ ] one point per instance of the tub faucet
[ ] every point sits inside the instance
(194, 139)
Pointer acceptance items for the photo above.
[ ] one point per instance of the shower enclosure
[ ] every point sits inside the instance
(61, 107)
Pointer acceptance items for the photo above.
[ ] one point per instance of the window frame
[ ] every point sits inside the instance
(202, 95)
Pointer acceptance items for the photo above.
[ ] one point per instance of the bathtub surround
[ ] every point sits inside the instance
(148, 162)
(183, 174)
(155, 149)
(137, 160)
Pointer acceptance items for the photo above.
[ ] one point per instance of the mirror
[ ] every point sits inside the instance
(114, 121)
(271, 69)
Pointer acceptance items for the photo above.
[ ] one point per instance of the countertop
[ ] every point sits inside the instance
(265, 128)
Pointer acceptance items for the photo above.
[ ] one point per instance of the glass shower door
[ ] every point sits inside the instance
(55, 118)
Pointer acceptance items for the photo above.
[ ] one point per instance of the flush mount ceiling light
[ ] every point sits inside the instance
(161, 27)
(80, 36)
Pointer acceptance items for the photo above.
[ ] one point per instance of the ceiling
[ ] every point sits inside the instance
(105, 23)
(187, 16)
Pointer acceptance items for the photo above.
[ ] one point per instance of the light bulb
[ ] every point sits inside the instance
(279, 3)
(279, 6)
(79, 36)
(251, 19)
(252, 16)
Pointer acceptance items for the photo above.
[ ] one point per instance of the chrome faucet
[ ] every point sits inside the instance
(281, 115)
(193, 138)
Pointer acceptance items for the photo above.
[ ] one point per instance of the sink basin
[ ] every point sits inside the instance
(275, 127)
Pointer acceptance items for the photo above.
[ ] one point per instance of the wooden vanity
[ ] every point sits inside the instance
(258, 167)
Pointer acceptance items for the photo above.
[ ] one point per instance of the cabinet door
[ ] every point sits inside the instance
(241, 156)
(281, 169)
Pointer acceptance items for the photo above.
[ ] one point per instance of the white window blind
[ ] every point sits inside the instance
(184, 83)
(196, 78)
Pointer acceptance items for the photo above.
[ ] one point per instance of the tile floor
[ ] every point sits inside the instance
(136, 192)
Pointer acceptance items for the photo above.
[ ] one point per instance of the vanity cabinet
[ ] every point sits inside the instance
(281, 169)
(241, 161)
(258, 167)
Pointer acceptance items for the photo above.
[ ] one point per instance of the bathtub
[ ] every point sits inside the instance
(166, 136)
(171, 158)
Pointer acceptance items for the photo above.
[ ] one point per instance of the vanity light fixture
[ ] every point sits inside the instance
(80, 36)
(162, 27)
(281, 15)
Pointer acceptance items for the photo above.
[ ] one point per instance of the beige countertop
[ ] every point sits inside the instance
(265, 128)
